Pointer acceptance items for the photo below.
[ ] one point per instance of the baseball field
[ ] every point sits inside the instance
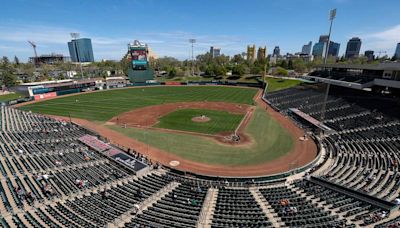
(192, 124)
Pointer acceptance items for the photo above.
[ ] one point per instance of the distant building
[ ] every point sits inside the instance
(215, 52)
(333, 49)
(307, 48)
(81, 50)
(369, 54)
(251, 53)
(323, 38)
(50, 59)
(277, 51)
(397, 52)
(353, 48)
(319, 48)
(261, 53)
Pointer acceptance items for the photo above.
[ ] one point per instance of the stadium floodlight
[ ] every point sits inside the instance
(192, 41)
(75, 36)
(332, 16)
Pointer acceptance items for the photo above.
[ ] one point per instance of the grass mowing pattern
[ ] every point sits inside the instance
(275, 84)
(102, 106)
(220, 121)
(271, 141)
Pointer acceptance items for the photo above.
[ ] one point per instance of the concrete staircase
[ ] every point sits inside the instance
(207, 211)
(128, 216)
(267, 209)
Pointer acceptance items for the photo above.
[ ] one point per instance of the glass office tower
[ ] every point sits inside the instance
(81, 50)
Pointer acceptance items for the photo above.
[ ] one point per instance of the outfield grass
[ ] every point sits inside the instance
(102, 106)
(270, 142)
(220, 121)
(9, 97)
(275, 84)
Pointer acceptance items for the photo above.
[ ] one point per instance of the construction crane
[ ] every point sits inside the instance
(381, 52)
(34, 49)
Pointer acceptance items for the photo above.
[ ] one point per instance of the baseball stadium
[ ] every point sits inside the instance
(314, 151)
(313, 141)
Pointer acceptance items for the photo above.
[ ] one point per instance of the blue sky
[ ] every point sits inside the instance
(166, 25)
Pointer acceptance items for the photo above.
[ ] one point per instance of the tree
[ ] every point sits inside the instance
(9, 79)
(124, 64)
(281, 71)
(283, 64)
(299, 65)
(290, 64)
(238, 59)
(238, 70)
(5, 62)
(16, 60)
(171, 72)
(209, 70)
(256, 69)
(219, 70)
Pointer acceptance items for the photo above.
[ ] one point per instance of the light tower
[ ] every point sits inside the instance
(332, 16)
(192, 41)
(75, 36)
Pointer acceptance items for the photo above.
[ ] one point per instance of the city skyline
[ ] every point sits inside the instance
(110, 26)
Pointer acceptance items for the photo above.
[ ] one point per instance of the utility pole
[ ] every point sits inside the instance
(75, 36)
(332, 16)
(192, 41)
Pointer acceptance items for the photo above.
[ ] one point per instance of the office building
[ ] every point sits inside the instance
(251, 53)
(319, 48)
(323, 38)
(397, 52)
(277, 51)
(333, 49)
(307, 48)
(215, 52)
(353, 48)
(261, 53)
(81, 50)
(370, 55)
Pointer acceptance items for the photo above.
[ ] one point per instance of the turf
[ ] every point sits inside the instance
(270, 142)
(102, 106)
(275, 84)
(9, 97)
(220, 121)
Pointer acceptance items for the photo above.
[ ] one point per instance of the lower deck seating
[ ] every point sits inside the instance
(238, 208)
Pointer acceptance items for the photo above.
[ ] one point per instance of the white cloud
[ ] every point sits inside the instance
(51, 39)
(384, 40)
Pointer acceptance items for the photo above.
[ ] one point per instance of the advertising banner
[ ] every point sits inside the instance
(45, 96)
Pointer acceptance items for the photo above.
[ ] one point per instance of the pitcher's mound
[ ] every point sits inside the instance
(201, 119)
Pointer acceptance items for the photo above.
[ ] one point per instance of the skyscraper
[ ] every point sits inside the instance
(397, 52)
(81, 50)
(261, 53)
(215, 52)
(319, 48)
(277, 51)
(251, 53)
(333, 49)
(323, 38)
(307, 48)
(353, 47)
